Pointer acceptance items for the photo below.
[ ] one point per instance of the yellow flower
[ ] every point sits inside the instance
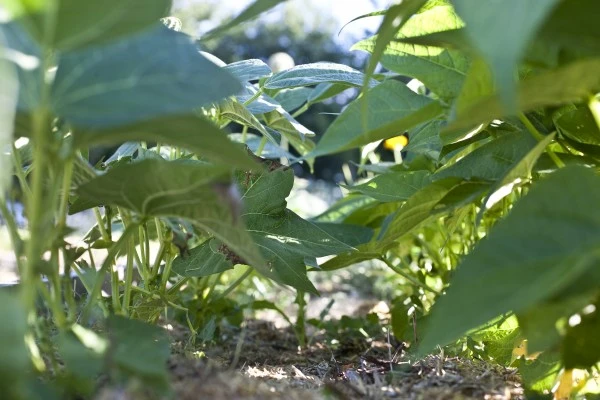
(397, 142)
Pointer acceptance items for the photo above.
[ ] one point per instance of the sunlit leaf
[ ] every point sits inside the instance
(313, 74)
(393, 186)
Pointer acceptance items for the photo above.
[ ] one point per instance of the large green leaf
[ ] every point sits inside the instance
(25, 54)
(203, 260)
(501, 30)
(579, 124)
(394, 186)
(441, 70)
(184, 188)
(549, 239)
(569, 84)
(8, 105)
(313, 74)
(425, 139)
(540, 374)
(249, 70)
(284, 238)
(249, 13)
(581, 348)
(15, 360)
(187, 131)
(139, 349)
(79, 23)
(137, 79)
(393, 108)
(492, 160)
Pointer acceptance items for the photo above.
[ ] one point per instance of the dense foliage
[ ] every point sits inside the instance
(493, 202)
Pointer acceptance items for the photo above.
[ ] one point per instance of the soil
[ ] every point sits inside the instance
(261, 361)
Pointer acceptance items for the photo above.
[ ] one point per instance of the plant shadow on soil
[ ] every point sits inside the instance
(260, 361)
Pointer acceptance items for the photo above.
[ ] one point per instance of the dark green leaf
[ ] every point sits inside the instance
(291, 99)
(581, 348)
(139, 350)
(401, 325)
(313, 74)
(188, 131)
(425, 139)
(324, 91)
(249, 13)
(579, 124)
(203, 260)
(185, 188)
(136, 79)
(15, 361)
(393, 186)
(397, 109)
(344, 207)
(547, 241)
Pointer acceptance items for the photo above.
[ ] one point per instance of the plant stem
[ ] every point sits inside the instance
(13, 231)
(408, 277)
(236, 283)
(301, 110)
(244, 133)
(254, 97)
(166, 273)
(300, 327)
(100, 221)
(261, 146)
(18, 166)
(128, 277)
(539, 137)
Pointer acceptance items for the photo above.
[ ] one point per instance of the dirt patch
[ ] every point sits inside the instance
(263, 362)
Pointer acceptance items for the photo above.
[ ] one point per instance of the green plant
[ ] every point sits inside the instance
(496, 196)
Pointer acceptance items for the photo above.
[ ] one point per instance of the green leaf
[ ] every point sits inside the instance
(184, 188)
(416, 211)
(203, 260)
(8, 105)
(579, 124)
(80, 24)
(291, 99)
(139, 349)
(540, 374)
(83, 352)
(284, 238)
(324, 91)
(580, 347)
(393, 108)
(395, 17)
(425, 139)
(347, 259)
(313, 74)
(15, 361)
(187, 131)
(25, 55)
(401, 325)
(501, 30)
(492, 160)
(136, 79)
(568, 84)
(352, 235)
(236, 112)
(393, 186)
(344, 207)
(441, 70)
(285, 124)
(249, 70)
(478, 84)
(549, 239)
(500, 339)
(249, 13)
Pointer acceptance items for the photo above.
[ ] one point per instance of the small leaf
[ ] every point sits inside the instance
(397, 109)
(203, 260)
(546, 242)
(313, 74)
(187, 131)
(249, 13)
(393, 186)
(136, 79)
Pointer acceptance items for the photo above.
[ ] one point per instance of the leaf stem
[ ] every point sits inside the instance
(256, 95)
(539, 137)
(236, 283)
(261, 146)
(408, 277)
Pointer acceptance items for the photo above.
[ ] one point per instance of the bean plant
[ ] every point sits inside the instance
(488, 217)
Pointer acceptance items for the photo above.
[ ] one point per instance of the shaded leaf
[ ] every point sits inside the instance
(202, 260)
(8, 106)
(187, 131)
(546, 242)
(291, 99)
(579, 124)
(580, 348)
(137, 79)
(15, 360)
(249, 70)
(425, 139)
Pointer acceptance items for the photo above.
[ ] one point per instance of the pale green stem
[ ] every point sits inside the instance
(300, 111)
(261, 145)
(539, 137)
(254, 97)
(408, 277)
